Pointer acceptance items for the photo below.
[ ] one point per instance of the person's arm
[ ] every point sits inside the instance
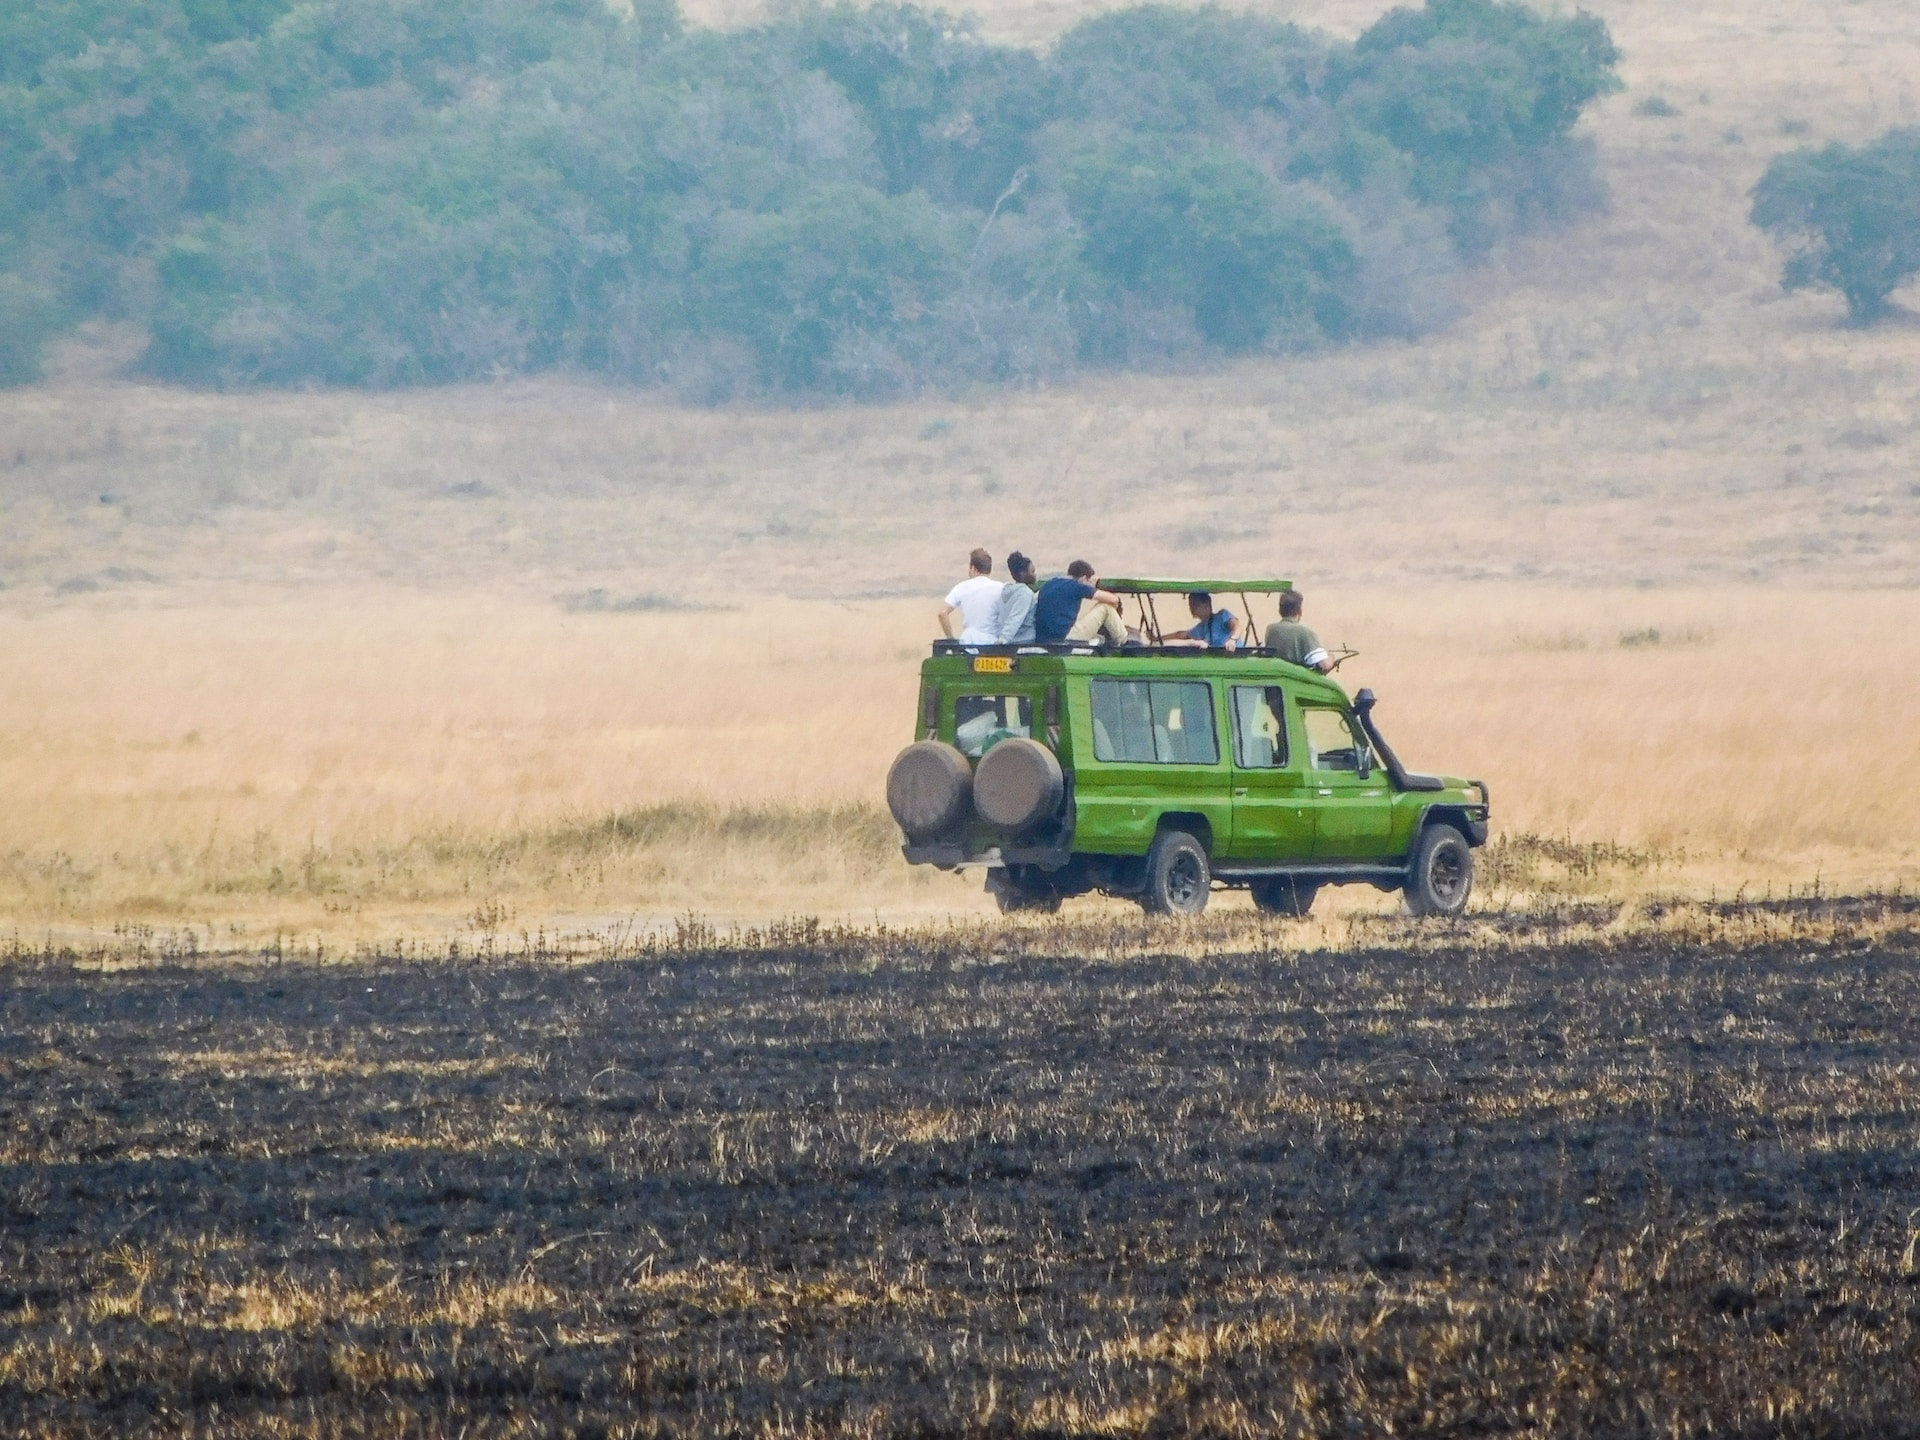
(945, 615)
(1318, 659)
(1104, 597)
(1236, 631)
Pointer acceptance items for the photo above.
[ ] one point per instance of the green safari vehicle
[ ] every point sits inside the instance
(1160, 773)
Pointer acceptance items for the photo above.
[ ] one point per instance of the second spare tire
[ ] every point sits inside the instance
(1018, 785)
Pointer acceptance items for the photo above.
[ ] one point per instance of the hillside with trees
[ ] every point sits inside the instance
(860, 202)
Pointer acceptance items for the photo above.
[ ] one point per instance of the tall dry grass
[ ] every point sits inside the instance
(363, 763)
(299, 658)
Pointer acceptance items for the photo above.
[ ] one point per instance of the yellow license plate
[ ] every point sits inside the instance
(993, 664)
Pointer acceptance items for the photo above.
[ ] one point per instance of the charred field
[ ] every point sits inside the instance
(1533, 1178)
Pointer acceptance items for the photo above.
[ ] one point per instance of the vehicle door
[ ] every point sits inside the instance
(1156, 748)
(1345, 786)
(1272, 819)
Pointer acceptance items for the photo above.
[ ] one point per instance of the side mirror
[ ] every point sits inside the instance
(1363, 761)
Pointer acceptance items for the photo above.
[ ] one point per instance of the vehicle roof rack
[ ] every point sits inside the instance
(1188, 587)
(1063, 647)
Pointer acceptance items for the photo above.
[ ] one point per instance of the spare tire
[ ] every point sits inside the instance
(1018, 785)
(927, 788)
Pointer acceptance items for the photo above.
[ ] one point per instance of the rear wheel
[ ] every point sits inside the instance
(1020, 894)
(1178, 876)
(1284, 895)
(1439, 872)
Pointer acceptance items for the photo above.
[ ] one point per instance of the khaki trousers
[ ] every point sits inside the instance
(1096, 620)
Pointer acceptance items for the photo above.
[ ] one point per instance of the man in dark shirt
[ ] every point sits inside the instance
(1057, 614)
(1290, 640)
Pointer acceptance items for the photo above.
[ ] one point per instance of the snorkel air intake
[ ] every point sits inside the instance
(1401, 777)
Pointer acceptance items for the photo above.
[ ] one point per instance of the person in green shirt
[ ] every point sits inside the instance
(1288, 639)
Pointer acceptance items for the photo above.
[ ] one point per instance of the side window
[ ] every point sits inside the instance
(1331, 741)
(1259, 727)
(980, 720)
(1154, 722)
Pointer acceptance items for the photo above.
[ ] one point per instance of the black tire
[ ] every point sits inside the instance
(1018, 785)
(1439, 872)
(1018, 896)
(1284, 895)
(1178, 876)
(929, 788)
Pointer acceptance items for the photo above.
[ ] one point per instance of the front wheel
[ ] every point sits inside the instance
(1178, 876)
(1439, 872)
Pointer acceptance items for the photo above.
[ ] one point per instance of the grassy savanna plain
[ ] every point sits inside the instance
(329, 662)
(377, 766)
(1630, 1151)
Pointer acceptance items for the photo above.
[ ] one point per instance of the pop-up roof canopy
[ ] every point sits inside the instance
(1188, 587)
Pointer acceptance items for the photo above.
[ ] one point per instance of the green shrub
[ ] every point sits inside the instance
(26, 320)
(832, 293)
(845, 201)
(1478, 99)
(1850, 218)
(1198, 228)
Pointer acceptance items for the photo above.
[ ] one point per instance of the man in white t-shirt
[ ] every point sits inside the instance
(975, 600)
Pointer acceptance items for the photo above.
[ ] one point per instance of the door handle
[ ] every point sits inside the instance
(1240, 792)
(1325, 791)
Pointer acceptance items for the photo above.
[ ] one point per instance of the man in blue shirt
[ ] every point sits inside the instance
(1074, 607)
(1216, 630)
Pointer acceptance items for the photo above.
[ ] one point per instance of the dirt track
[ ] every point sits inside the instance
(1549, 1189)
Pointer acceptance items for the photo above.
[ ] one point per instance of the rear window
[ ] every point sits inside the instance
(981, 720)
(1154, 722)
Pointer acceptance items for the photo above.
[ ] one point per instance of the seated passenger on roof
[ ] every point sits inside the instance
(1214, 630)
(1073, 608)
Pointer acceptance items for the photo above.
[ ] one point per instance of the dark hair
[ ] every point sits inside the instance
(1202, 596)
(1080, 570)
(981, 561)
(1290, 603)
(1018, 564)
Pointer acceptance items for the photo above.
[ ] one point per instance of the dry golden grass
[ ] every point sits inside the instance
(367, 766)
(297, 659)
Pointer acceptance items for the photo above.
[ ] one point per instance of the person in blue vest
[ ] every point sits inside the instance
(1213, 629)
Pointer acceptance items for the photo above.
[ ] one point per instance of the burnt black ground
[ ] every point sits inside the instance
(1622, 1188)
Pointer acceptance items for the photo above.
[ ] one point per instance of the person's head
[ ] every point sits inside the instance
(1081, 570)
(1020, 568)
(980, 563)
(1292, 602)
(1200, 605)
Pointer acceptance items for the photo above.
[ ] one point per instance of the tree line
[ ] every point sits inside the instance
(864, 202)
